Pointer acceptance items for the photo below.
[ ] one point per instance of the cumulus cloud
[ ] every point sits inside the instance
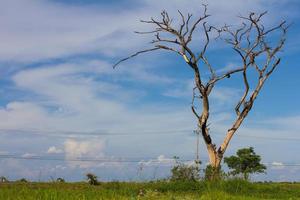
(54, 150)
(86, 149)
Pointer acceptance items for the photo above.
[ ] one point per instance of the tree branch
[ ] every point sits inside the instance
(249, 41)
(134, 55)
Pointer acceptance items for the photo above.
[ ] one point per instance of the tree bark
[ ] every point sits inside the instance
(214, 157)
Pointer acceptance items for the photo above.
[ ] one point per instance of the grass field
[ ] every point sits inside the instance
(235, 189)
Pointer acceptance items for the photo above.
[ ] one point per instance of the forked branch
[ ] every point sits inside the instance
(249, 41)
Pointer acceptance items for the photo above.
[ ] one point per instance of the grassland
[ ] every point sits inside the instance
(234, 189)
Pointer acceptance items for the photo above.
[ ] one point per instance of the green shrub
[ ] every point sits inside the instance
(60, 180)
(244, 163)
(185, 172)
(213, 174)
(3, 179)
(22, 180)
(92, 179)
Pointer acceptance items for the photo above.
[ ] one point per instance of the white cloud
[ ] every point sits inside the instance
(165, 161)
(54, 150)
(34, 30)
(161, 159)
(87, 149)
(228, 67)
(21, 114)
(28, 155)
(77, 149)
(277, 165)
(74, 97)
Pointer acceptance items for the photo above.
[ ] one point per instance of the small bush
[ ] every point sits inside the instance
(22, 180)
(212, 173)
(3, 179)
(185, 172)
(60, 180)
(92, 179)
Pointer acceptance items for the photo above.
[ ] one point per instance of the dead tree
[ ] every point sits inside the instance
(249, 41)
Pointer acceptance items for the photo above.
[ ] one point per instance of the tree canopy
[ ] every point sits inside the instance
(245, 162)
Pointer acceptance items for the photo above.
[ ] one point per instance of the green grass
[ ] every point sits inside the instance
(232, 189)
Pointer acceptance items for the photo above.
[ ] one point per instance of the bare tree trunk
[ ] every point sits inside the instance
(212, 171)
(214, 158)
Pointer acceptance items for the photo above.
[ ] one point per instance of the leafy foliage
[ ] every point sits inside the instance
(185, 172)
(60, 180)
(3, 179)
(92, 179)
(23, 180)
(246, 162)
(213, 173)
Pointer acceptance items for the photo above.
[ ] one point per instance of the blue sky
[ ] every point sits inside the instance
(60, 97)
